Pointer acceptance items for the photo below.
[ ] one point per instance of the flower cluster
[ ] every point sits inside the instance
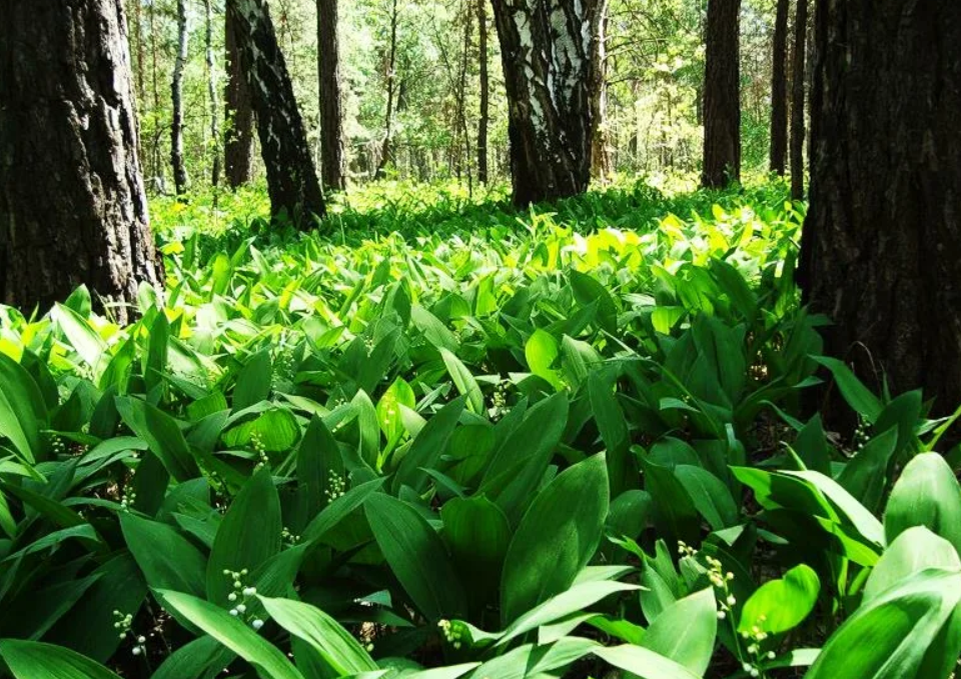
(499, 401)
(127, 500)
(124, 624)
(453, 631)
(257, 444)
(289, 537)
(336, 487)
(240, 597)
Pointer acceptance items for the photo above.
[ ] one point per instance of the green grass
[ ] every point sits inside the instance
(439, 432)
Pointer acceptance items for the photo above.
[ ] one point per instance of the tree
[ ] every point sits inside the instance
(239, 114)
(72, 204)
(291, 179)
(797, 100)
(722, 95)
(600, 154)
(391, 77)
(547, 54)
(212, 92)
(483, 120)
(779, 89)
(333, 160)
(880, 252)
(176, 90)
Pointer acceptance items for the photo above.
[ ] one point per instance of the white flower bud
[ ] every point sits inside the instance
(257, 624)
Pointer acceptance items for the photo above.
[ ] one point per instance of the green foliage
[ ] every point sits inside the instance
(459, 440)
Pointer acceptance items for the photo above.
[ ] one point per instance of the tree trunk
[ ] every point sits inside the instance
(483, 121)
(239, 115)
(385, 153)
(880, 252)
(333, 159)
(722, 95)
(600, 152)
(464, 153)
(291, 178)
(176, 90)
(779, 90)
(72, 204)
(157, 174)
(547, 54)
(797, 101)
(212, 95)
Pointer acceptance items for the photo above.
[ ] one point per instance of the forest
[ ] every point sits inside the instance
(480, 339)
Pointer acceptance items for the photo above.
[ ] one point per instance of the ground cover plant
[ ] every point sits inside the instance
(446, 438)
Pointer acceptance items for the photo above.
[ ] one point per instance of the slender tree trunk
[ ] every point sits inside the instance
(779, 90)
(385, 154)
(465, 152)
(547, 55)
(880, 252)
(600, 151)
(176, 90)
(157, 172)
(483, 121)
(239, 114)
(797, 101)
(72, 204)
(291, 178)
(722, 95)
(333, 155)
(141, 55)
(213, 96)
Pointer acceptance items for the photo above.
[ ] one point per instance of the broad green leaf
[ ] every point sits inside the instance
(84, 339)
(34, 660)
(781, 605)
(22, 410)
(541, 351)
(927, 494)
(855, 393)
(249, 535)
(556, 538)
(162, 435)
(710, 496)
(464, 381)
(643, 662)
(685, 631)
(912, 551)
(253, 382)
(417, 557)
(338, 647)
(232, 633)
(167, 559)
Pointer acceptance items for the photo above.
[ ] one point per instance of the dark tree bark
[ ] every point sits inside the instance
(600, 151)
(72, 204)
(291, 178)
(212, 94)
(176, 91)
(722, 95)
(547, 54)
(333, 158)
(880, 252)
(386, 151)
(779, 90)
(483, 121)
(239, 140)
(797, 100)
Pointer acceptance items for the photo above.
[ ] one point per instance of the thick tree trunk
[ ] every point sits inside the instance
(483, 121)
(779, 89)
(72, 204)
(212, 95)
(880, 252)
(547, 54)
(291, 178)
(386, 151)
(600, 148)
(333, 158)
(797, 100)
(176, 90)
(722, 95)
(239, 114)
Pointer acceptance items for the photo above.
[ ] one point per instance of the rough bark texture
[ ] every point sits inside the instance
(333, 157)
(547, 55)
(483, 121)
(212, 94)
(72, 204)
(779, 89)
(722, 95)
(239, 114)
(291, 178)
(799, 69)
(881, 252)
(176, 91)
(600, 149)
